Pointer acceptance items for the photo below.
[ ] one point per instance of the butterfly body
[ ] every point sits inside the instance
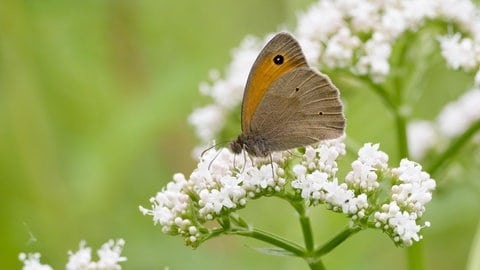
(287, 104)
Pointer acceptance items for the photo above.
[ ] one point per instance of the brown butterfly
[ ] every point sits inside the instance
(286, 103)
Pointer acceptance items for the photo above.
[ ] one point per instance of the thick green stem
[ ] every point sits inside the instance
(415, 257)
(453, 148)
(337, 240)
(305, 224)
(307, 232)
(315, 264)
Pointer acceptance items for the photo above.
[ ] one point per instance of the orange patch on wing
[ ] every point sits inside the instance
(260, 79)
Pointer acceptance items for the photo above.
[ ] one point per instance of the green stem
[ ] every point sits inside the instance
(306, 230)
(315, 264)
(299, 206)
(401, 124)
(337, 240)
(381, 92)
(396, 109)
(269, 238)
(453, 148)
(415, 257)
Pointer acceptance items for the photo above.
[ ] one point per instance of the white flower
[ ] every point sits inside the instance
(392, 24)
(311, 185)
(322, 19)
(374, 60)
(257, 179)
(207, 121)
(402, 223)
(339, 49)
(463, 12)
(364, 170)
(422, 136)
(339, 196)
(369, 154)
(231, 186)
(412, 190)
(415, 11)
(109, 255)
(457, 116)
(82, 259)
(454, 119)
(363, 176)
(168, 204)
(459, 53)
(415, 186)
(364, 15)
(213, 201)
(31, 261)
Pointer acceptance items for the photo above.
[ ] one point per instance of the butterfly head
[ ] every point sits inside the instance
(254, 145)
(237, 145)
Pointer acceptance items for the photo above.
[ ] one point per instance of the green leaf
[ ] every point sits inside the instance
(275, 251)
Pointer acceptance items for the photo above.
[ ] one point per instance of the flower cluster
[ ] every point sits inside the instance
(31, 261)
(454, 119)
(360, 34)
(357, 35)
(221, 185)
(108, 254)
(411, 190)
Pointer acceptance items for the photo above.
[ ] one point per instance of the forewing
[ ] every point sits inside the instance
(300, 108)
(266, 70)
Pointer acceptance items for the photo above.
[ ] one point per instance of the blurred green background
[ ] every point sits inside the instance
(94, 97)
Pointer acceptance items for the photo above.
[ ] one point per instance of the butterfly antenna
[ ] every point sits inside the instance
(213, 159)
(213, 146)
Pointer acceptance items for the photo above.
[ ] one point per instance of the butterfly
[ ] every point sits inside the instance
(286, 103)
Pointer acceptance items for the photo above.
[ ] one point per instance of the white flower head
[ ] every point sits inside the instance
(207, 121)
(422, 136)
(311, 185)
(365, 169)
(402, 224)
(31, 261)
(459, 52)
(457, 116)
(340, 49)
(414, 188)
(400, 215)
(82, 259)
(110, 255)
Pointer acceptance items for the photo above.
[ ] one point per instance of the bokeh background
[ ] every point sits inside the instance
(94, 97)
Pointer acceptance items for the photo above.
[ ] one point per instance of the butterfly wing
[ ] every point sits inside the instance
(299, 108)
(281, 55)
